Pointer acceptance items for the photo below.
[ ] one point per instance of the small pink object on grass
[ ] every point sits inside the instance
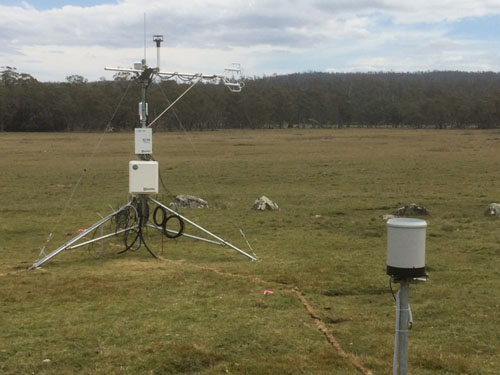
(267, 291)
(81, 230)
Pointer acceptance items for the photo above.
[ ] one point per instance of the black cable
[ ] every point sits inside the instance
(172, 195)
(143, 241)
(143, 216)
(127, 245)
(164, 220)
(392, 291)
(181, 227)
(127, 224)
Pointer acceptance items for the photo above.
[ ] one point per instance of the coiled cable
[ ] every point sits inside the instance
(164, 220)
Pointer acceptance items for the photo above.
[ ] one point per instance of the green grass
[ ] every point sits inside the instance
(201, 309)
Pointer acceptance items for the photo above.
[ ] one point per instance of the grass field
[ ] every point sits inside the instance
(200, 308)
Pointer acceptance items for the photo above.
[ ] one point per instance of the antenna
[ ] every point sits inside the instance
(144, 43)
(132, 219)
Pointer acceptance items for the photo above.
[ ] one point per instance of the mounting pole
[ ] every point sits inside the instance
(403, 310)
(145, 80)
(143, 110)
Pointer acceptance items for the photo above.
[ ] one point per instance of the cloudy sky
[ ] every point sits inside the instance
(51, 39)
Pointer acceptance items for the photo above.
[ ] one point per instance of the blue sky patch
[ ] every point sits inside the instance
(482, 28)
(51, 4)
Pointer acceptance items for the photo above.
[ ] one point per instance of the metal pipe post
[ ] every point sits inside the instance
(144, 115)
(403, 311)
(157, 56)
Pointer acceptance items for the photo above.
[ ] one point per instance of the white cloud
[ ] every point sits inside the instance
(205, 35)
(443, 10)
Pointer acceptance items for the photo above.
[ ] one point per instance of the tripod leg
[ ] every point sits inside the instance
(186, 235)
(101, 238)
(75, 239)
(224, 242)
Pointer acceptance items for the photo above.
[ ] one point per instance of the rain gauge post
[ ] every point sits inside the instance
(405, 265)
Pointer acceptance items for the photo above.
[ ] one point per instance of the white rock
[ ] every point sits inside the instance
(411, 209)
(493, 209)
(263, 204)
(188, 201)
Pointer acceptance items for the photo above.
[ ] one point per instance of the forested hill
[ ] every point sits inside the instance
(427, 99)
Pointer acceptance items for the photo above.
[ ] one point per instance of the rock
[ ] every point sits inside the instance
(264, 204)
(493, 209)
(411, 209)
(187, 201)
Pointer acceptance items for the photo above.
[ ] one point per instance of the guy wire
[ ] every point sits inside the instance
(80, 178)
(175, 101)
(212, 180)
(193, 148)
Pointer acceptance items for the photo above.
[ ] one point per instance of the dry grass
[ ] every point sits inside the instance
(201, 308)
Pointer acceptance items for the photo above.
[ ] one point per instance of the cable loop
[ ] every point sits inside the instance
(164, 220)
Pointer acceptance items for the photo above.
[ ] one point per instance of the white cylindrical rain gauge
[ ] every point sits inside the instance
(406, 248)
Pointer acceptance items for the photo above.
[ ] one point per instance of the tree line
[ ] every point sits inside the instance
(441, 99)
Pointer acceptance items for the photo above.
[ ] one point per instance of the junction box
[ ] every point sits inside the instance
(143, 141)
(143, 177)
